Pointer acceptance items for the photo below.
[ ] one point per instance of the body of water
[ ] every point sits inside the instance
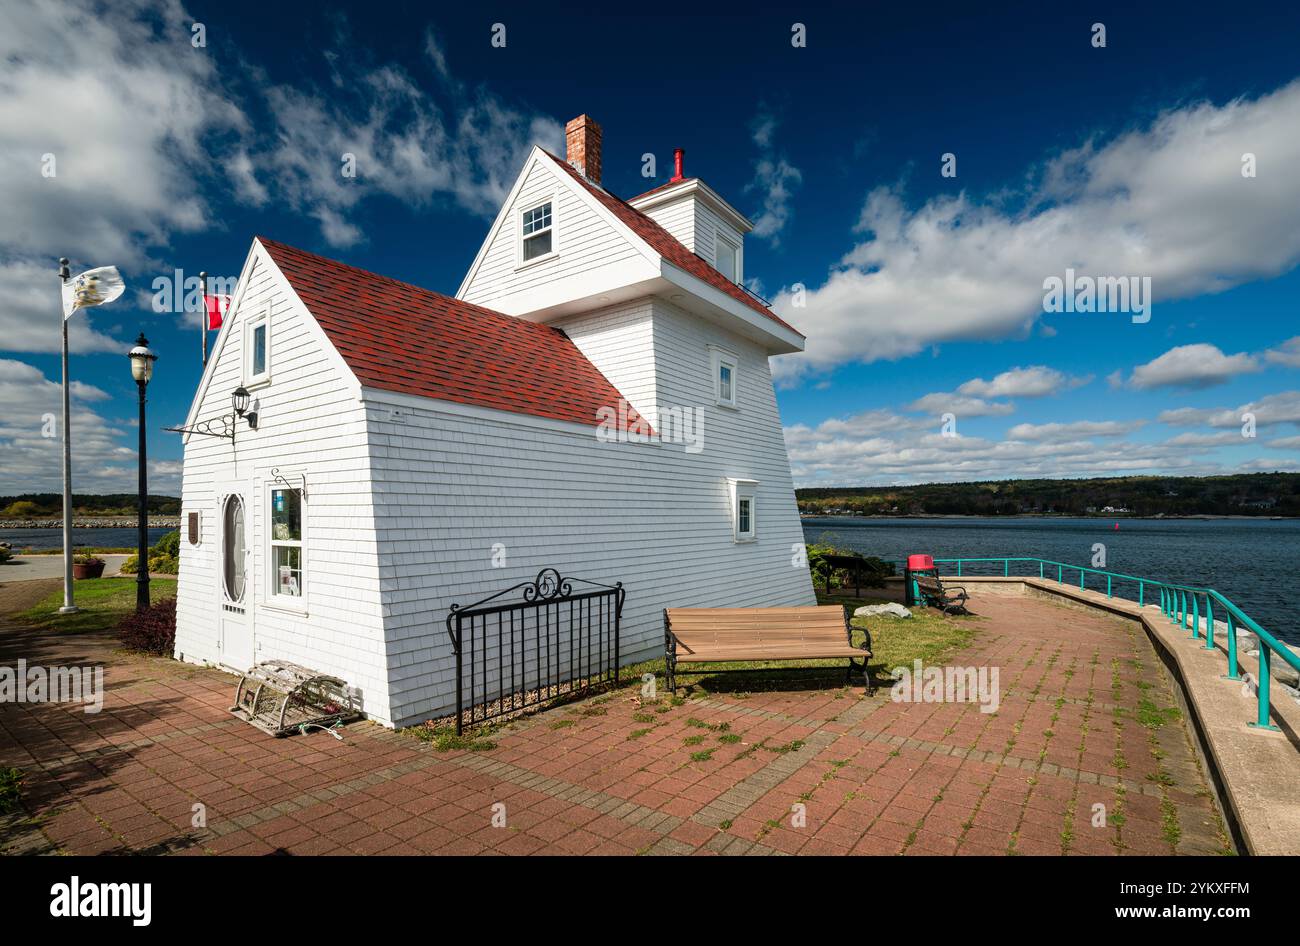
(1252, 562)
(41, 539)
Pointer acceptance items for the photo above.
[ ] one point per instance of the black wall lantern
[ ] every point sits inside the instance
(240, 400)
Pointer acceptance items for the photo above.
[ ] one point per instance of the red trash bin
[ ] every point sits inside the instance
(916, 563)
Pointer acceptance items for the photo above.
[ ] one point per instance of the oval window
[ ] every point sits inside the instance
(233, 565)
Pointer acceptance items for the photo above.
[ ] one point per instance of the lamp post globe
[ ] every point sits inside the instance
(142, 359)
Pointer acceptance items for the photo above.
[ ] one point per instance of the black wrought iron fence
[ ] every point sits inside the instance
(533, 642)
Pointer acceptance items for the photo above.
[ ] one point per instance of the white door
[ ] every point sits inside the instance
(235, 576)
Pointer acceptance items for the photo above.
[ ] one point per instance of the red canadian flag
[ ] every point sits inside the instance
(216, 307)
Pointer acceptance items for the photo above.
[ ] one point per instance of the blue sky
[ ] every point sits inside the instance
(923, 292)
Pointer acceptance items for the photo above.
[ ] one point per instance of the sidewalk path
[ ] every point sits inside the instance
(1084, 756)
(35, 567)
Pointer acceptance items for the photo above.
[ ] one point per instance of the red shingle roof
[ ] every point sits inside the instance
(399, 337)
(669, 247)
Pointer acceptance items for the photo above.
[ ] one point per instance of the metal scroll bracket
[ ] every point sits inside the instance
(300, 487)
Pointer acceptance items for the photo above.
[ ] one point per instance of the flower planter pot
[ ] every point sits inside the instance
(87, 571)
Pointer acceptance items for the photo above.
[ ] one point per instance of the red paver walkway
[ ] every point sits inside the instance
(165, 768)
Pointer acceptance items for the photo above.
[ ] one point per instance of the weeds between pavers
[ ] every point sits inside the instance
(11, 783)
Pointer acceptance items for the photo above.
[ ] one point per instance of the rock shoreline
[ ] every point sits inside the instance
(93, 522)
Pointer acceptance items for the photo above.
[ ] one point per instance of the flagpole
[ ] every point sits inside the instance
(203, 315)
(68, 606)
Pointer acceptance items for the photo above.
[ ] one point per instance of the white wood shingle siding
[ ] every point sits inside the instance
(311, 423)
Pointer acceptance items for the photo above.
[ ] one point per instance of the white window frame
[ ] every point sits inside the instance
(743, 490)
(252, 380)
(720, 357)
(273, 597)
(520, 262)
(721, 236)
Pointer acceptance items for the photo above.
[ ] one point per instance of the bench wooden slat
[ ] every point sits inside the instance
(741, 635)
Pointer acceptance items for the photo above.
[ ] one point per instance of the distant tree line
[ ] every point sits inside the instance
(1247, 494)
(46, 505)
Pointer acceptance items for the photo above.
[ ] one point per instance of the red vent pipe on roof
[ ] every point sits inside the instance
(678, 154)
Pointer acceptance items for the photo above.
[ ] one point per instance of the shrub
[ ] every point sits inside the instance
(874, 569)
(164, 557)
(168, 544)
(4, 554)
(22, 509)
(85, 559)
(153, 630)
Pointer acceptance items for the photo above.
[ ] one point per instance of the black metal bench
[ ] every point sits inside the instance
(933, 591)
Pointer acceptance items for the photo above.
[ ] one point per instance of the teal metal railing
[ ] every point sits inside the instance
(1183, 604)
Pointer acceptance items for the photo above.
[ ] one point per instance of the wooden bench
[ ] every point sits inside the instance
(932, 590)
(723, 635)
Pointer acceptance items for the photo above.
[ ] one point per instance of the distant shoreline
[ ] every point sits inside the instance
(1038, 515)
(93, 522)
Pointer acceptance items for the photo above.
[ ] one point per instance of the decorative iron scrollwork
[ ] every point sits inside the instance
(547, 586)
(277, 477)
(207, 428)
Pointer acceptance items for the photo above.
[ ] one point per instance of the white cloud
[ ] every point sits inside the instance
(775, 180)
(1225, 439)
(33, 462)
(949, 403)
(144, 129)
(1288, 353)
(129, 113)
(881, 455)
(1074, 430)
(1191, 366)
(1280, 408)
(402, 142)
(1034, 381)
(1166, 201)
(971, 399)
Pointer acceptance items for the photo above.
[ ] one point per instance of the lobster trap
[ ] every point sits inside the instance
(280, 698)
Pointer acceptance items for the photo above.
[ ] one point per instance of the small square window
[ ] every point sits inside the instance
(744, 509)
(537, 231)
(725, 379)
(257, 349)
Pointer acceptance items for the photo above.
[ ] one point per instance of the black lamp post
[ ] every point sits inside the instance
(142, 360)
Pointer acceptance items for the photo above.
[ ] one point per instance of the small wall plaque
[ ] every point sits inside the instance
(192, 528)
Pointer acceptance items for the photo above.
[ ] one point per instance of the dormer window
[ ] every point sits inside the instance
(726, 257)
(537, 232)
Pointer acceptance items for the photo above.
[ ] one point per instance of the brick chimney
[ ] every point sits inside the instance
(582, 147)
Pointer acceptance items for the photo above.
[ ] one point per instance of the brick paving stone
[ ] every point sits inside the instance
(875, 777)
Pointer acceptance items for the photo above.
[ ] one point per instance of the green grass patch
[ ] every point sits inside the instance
(11, 782)
(443, 737)
(896, 642)
(637, 733)
(692, 740)
(729, 738)
(102, 603)
(1153, 717)
(704, 755)
(787, 747)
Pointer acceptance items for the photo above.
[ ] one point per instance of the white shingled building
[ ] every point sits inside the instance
(596, 398)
